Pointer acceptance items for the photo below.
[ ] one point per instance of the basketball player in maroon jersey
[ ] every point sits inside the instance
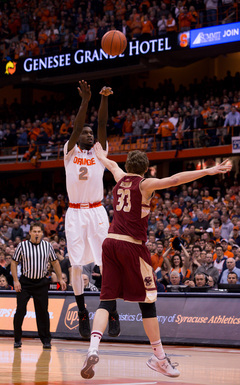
(127, 269)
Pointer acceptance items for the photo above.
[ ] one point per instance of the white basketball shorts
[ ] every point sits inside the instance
(86, 230)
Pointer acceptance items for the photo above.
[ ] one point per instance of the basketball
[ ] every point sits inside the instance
(114, 42)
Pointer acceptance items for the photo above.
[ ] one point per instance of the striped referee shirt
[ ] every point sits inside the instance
(34, 258)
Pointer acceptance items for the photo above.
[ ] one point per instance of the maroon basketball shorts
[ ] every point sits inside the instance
(127, 271)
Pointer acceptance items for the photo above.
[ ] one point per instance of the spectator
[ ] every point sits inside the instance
(165, 131)
(157, 258)
(162, 26)
(88, 286)
(171, 24)
(201, 224)
(175, 278)
(4, 283)
(184, 19)
(17, 231)
(227, 226)
(220, 261)
(51, 227)
(226, 248)
(25, 227)
(127, 128)
(65, 279)
(211, 11)
(232, 278)
(208, 268)
(196, 127)
(91, 36)
(200, 280)
(231, 267)
(233, 120)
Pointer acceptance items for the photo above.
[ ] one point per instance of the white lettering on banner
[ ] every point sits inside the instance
(151, 46)
(31, 64)
(231, 32)
(5, 312)
(82, 57)
(207, 37)
(30, 314)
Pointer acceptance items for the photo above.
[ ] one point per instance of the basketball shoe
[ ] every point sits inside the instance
(91, 360)
(17, 344)
(163, 366)
(84, 325)
(113, 324)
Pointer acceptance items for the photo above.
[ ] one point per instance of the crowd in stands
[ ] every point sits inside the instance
(193, 234)
(38, 27)
(205, 114)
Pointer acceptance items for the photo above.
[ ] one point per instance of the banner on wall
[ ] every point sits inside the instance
(219, 34)
(235, 144)
(8, 309)
(183, 319)
(84, 59)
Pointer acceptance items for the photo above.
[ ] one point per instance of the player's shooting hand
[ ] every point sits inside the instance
(106, 91)
(101, 154)
(221, 168)
(84, 90)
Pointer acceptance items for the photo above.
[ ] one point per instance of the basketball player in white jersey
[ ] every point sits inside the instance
(86, 219)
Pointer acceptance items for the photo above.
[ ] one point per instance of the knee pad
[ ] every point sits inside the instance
(110, 306)
(148, 309)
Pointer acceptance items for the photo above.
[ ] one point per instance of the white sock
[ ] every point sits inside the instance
(96, 337)
(158, 349)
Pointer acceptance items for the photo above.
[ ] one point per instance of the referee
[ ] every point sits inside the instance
(34, 256)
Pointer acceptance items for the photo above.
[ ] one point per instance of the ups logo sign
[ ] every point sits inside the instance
(71, 320)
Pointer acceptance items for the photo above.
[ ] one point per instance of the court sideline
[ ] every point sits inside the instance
(119, 364)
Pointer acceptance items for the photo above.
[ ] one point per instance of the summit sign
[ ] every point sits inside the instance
(220, 34)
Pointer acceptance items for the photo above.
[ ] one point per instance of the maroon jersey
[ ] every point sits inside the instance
(130, 214)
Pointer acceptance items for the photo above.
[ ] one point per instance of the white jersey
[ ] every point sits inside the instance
(84, 175)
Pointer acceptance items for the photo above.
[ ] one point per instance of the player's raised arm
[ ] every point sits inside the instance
(103, 116)
(152, 184)
(85, 93)
(112, 166)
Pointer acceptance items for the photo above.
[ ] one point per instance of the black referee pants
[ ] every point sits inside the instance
(38, 289)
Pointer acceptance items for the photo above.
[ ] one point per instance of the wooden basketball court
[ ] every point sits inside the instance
(119, 364)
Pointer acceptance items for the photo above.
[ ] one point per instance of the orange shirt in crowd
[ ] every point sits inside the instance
(177, 211)
(227, 254)
(205, 113)
(64, 129)
(171, 25)
(147, 26)
(127, 126)
(50, 227)
(165, 129)
(48, 128)
(4, 205)
(184, 20)
(176, 226)
(157, 261)
(109, 5)
(42, 38)
(33, 134)
(29, 210)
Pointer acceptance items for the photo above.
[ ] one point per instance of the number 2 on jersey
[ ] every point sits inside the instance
(83, 173)
(123, 203)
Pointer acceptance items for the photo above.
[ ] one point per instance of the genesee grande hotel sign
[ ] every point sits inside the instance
(135, 48)
(88, 60)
